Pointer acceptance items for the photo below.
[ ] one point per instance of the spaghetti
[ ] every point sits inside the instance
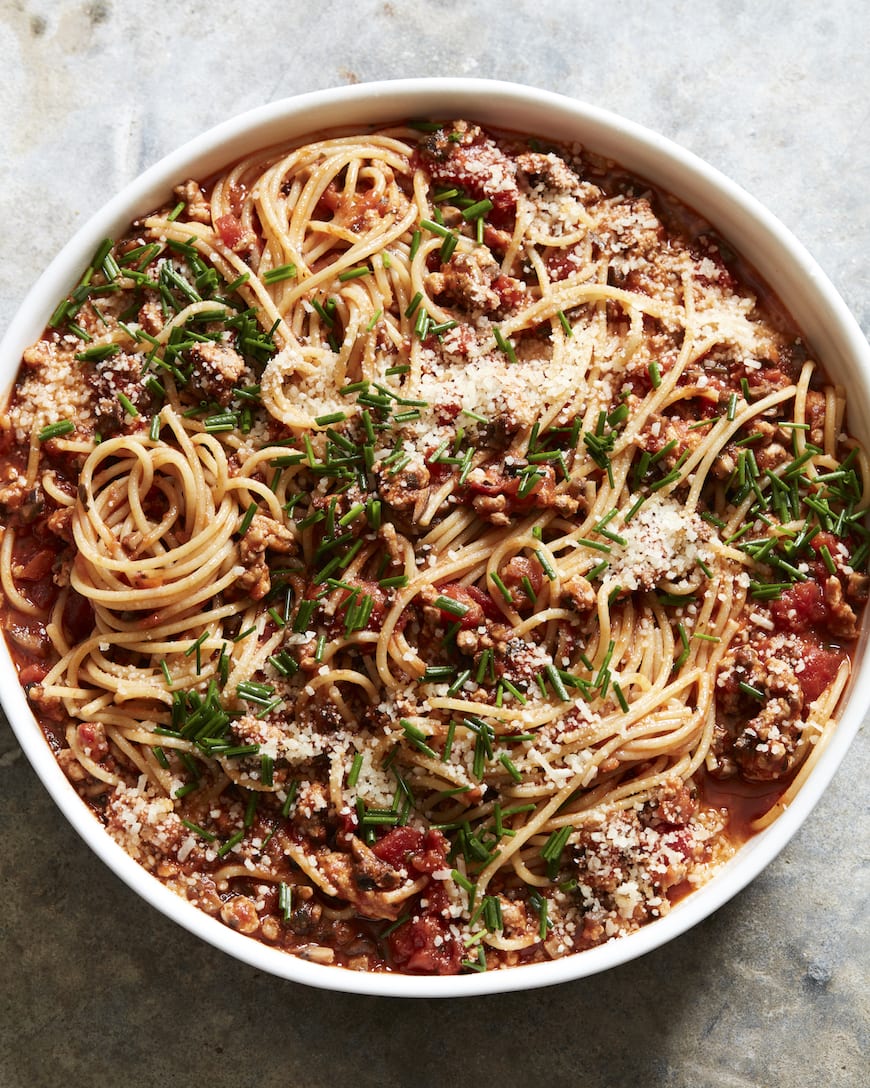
(411, 534)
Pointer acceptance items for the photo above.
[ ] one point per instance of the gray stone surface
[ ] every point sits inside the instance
(98, 989)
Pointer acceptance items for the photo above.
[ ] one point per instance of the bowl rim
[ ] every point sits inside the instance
(739, 217)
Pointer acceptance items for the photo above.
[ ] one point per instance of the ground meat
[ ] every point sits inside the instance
(816, 418)
(760, 665)
(768, 449)
(14, 488)
(387, 533)
(217, 370)
(662, 430)
(197, 208)
(467, 280)
(633, 236)
(111, 378)
(548, 169)
(491, 482)
(71, 767)
(842, 621)
(264, 534)
(626, 859)
(407, 490)
(361, 878)
(674, 806)
(92, 736)
(59, 522)
(474, 282)
(578, 593)
(759, 735)
(766, 748)
(240, 913)
(151, 317)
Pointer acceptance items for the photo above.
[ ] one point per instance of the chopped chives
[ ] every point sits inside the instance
(398, 581)
(97, 353)
(267, 765)
(354, 274)
(56, 430)
(448, 246)
(322, 313)
(827, 559)
(128, 406)
(556, 680)
(201, 831)
(476, 210)
(502, 588)
(595, 545)
(417, 737)
(504, 345)
(230, 843)
(459, 682)
(355, 768)
(435, 228)
(282, 272)
(451, 606)
(245, 523)
(546, 565)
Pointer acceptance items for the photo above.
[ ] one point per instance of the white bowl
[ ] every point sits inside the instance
(759, 236)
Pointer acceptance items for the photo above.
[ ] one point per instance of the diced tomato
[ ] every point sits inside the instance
(230, 230)
(33, 674)
(78, 616)
(408, 848)
(800, 607)
(820, 666)
(562, 263)
(425, 943)
(395, 847)
(510, 291)
(93, 740)
(37, 567)
(477, 165)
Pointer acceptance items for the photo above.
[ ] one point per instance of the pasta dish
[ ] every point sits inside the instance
(428, 549)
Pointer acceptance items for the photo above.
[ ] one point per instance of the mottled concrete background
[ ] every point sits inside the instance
(97, 988)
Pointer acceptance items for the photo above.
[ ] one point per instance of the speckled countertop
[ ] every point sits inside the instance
(98, 989)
